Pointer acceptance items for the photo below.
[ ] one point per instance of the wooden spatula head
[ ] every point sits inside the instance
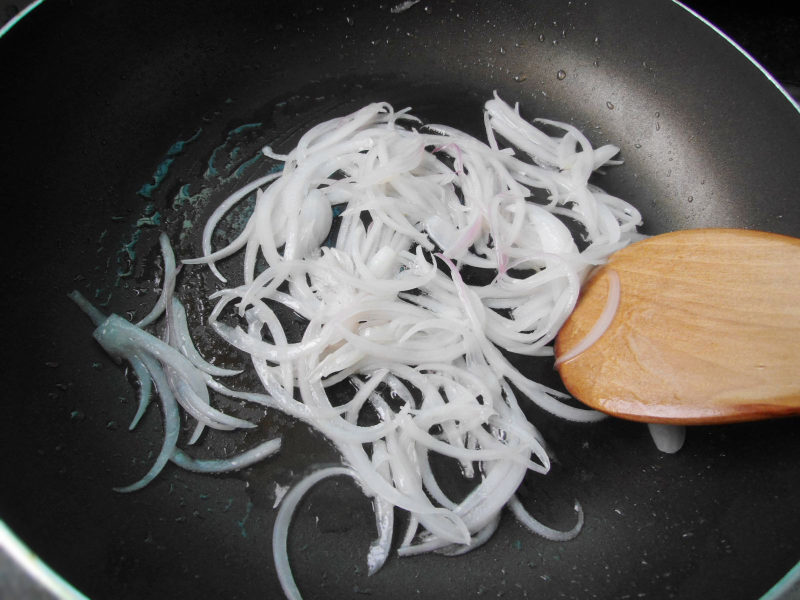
(707, 330)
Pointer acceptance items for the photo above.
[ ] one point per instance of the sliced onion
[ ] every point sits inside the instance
(524, 517)
(280, 530)
(427, 353)
(667, 438)
(603, 321)
(223, 465)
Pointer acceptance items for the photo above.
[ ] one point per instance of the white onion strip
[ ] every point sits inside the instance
(535, 526)
(223, 465)
(280, 531)
(167, 286)
(667, 438)
(603, 321)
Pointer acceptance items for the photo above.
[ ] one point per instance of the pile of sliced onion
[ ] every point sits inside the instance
(419, 258)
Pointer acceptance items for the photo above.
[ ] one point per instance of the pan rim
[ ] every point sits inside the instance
(770, 77)
(33, 570)
(18, 17)
(744, 52)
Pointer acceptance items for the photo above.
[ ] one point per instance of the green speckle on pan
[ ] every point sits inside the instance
(122, 275)
(245, 165)
(152, 221)
(182, 196)
(98, 295)
(178, 146)
(146, 191)
(187, 224)
(212, 169)
(130, 247)
(214, 164)
(102, 236)
(246, 516)
(126, 256)
(244, 127)
(517, 545)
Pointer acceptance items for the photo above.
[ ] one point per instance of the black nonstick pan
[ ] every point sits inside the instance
(123, 119)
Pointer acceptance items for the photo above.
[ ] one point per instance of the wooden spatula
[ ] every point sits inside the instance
(707, 330)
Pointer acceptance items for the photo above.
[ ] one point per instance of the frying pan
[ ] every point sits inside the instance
(114, 108)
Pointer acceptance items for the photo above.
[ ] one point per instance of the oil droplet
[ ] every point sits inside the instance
(596, 40)
(658, 126)
(541, 37)
(637, 145)
(349, 21)
(690, 198)
(610, 105)
(502, 50)
(658, 114)
(596, 63)
(520, 78)
(561, 74)
(428, 10)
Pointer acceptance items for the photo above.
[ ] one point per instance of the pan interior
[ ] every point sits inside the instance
(146, 124)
